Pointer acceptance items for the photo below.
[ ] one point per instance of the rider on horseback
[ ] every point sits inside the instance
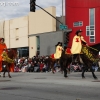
(2, 47)
(58, 52)
(77, 43)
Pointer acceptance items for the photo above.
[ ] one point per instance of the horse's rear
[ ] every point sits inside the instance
(9, 63)
(51, 63)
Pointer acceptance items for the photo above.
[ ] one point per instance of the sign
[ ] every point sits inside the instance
(63, 27)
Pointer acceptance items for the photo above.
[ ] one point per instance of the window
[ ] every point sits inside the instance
(92, 40)
(16, 33)
(92, 16)
(23, 52)
(92, 36)
(38, 42)
(90, 30)
(87, 33)
(76, 24)
(92, 33)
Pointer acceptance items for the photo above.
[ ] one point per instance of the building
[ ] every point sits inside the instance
(40, 22)
(35, 32)
(16, 34)
(84, 15)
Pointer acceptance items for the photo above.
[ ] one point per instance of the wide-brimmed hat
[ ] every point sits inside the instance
(78, 31)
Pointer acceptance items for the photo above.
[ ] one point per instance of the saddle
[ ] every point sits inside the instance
(68, 51)
(52, 56)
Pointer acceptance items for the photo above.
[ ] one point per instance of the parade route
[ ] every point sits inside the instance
(48, 86)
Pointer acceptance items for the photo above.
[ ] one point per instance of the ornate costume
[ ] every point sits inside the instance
(58, 52)
(4, 56)
(77, 44)
(2, 47)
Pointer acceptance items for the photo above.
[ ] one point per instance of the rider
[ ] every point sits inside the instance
(58, 52)
(2, 48)
(77, 43)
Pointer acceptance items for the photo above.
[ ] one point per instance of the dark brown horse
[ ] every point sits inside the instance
(67, 59)
(7, 65)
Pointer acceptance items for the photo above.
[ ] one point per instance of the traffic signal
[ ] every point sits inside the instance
(66, 37)
(32, 5)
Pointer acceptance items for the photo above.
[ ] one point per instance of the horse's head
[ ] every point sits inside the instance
(12, 53)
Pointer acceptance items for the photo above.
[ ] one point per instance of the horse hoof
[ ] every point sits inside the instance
(83, 77)
(96, 78)
(10, 77)
(65, 76)
(3, 76)
(53, 72)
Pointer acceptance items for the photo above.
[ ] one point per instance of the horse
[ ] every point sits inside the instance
(67, 59)
(9, 64)
(51, 64)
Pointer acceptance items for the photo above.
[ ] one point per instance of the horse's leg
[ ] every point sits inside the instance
(4, 72)
(83, 61)
(0, 74)
(8, 69)
(94, 76)
(65, 70)
(52, 67)
(83, 71)
(4, 69)
(61, 69)
(61, 66)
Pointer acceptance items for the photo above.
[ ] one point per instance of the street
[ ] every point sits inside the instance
(48, 86)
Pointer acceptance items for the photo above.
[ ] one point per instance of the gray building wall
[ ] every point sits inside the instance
(48, 42)
(50, 39)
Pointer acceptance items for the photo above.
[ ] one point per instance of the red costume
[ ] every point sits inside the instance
(2, 47)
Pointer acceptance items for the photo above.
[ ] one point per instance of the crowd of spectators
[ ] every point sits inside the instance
(41, 64)
(34, 64)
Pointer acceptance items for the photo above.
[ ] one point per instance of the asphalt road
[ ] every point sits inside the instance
(48, 86)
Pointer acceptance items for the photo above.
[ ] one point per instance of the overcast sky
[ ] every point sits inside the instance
(10, 9)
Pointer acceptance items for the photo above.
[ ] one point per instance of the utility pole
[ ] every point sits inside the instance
(63, 24)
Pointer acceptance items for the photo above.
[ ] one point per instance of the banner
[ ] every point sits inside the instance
(89, 54)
